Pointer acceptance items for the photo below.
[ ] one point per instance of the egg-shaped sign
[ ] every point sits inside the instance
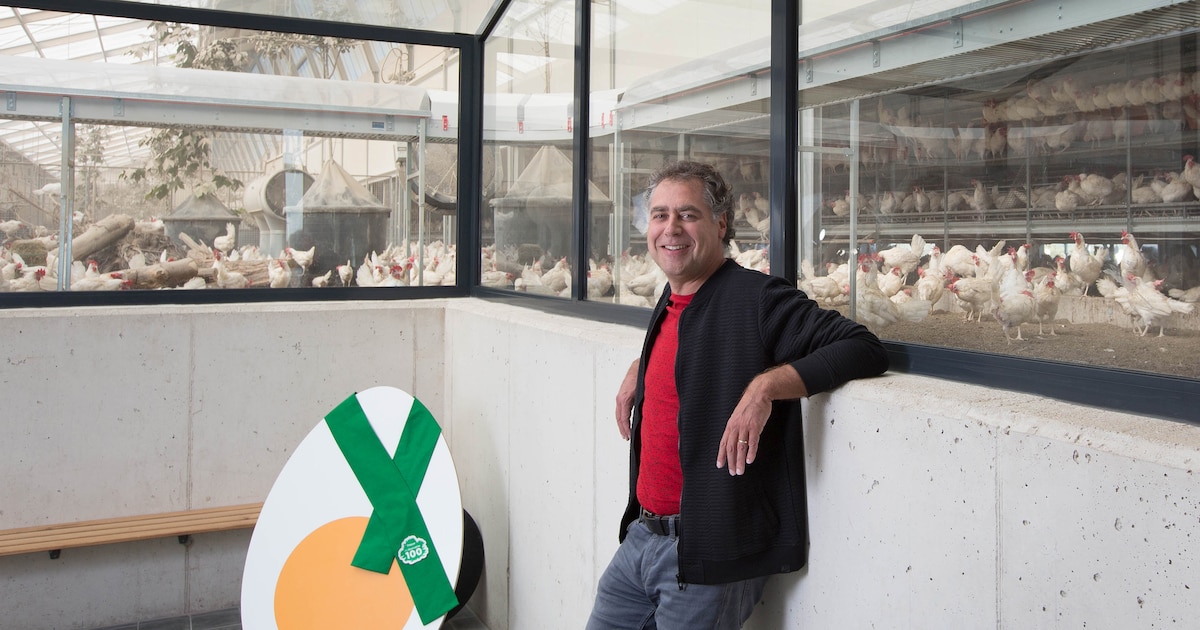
(363, 527)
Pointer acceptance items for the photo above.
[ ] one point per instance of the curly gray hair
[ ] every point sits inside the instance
(717, 193)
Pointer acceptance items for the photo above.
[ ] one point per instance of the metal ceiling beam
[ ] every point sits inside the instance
(40, 45)
(252, 21)
(25, 27)
(100, 37)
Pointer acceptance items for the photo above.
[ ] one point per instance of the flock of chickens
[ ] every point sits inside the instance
(1071, 193)
(1047, 117)
(999, 282)
(224, 266)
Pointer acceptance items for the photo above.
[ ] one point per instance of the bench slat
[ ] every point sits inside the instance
(127, 529)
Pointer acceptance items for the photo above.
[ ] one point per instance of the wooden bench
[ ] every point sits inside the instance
(54, 538)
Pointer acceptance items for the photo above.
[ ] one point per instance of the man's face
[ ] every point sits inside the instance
(682, 237)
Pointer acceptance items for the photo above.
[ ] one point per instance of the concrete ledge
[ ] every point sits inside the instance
(932, 504)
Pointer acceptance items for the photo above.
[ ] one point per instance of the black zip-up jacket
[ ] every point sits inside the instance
(739, 324)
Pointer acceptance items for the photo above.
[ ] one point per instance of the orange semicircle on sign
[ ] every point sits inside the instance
(318, 588)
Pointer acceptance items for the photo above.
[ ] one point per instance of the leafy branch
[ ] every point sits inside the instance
(180, 158)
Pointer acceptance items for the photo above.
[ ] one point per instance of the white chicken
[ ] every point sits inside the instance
(10, 271)
(1084, 263)
(599, 281)
(957, 201)
(1046, 296)
(877, 311)
(1021, 256)
(974, 295)
(1069, 198)
(302, 258)
(981, 200)
(10, 227)
(226, 241)
(93, 280)
(396, 276)
(841, 272)
(1177, 189)
(1149, 305)
(1143, 194)
(930, 285)
(227, 279)
(960, 260)
(558, 278)
(820, 288)
(497, 279)
(1191, 171)
(196, 282)
(753, 258)
(986, 259)
(1095, 189)
(936, 264)
(1016, 304)
(649, 283)
(153, 224)
(530, 280)
(279, 274)
(432, 274)
(32, 279)
(1068, 283)
(937, 200)
(906, 256)
(322, 281)
(996, 141)
(368, 273)
(1191, 295)
(1132, 260)
(757, 212)
(888, 203)
(891, 282)
(971, 142)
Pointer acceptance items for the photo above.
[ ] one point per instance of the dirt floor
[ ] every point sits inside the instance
(1102, 344)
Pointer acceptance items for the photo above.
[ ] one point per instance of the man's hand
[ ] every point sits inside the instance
(625, 400)
(739, 444)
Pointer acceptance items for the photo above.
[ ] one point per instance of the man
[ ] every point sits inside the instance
(717, 493)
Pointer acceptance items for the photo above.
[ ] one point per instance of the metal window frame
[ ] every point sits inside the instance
(1134, 392)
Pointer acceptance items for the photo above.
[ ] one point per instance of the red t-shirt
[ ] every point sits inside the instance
(660, 477)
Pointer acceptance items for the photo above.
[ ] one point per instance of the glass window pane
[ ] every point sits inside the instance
(227, 158)
(672, 82)
(527, 138)
(1025, 198)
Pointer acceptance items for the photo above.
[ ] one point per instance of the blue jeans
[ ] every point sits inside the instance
(640, 590)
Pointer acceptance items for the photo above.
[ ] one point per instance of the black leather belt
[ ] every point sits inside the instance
(661, 525)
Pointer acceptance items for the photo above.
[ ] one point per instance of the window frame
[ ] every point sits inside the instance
(1148, 394)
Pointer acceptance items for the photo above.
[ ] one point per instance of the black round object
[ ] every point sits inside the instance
(470, 566)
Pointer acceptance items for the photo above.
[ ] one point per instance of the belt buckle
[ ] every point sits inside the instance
(657, 524)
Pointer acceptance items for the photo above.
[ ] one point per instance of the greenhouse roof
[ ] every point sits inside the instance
(69, 54)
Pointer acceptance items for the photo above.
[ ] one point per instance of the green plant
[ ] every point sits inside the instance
(182, 158)
(89, 158)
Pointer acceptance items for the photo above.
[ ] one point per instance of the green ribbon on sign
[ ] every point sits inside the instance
(396, 529)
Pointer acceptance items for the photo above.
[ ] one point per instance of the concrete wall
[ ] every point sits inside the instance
(118, 411)
(933, 504)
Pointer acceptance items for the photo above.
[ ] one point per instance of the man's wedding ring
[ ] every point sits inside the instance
(742, 442)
